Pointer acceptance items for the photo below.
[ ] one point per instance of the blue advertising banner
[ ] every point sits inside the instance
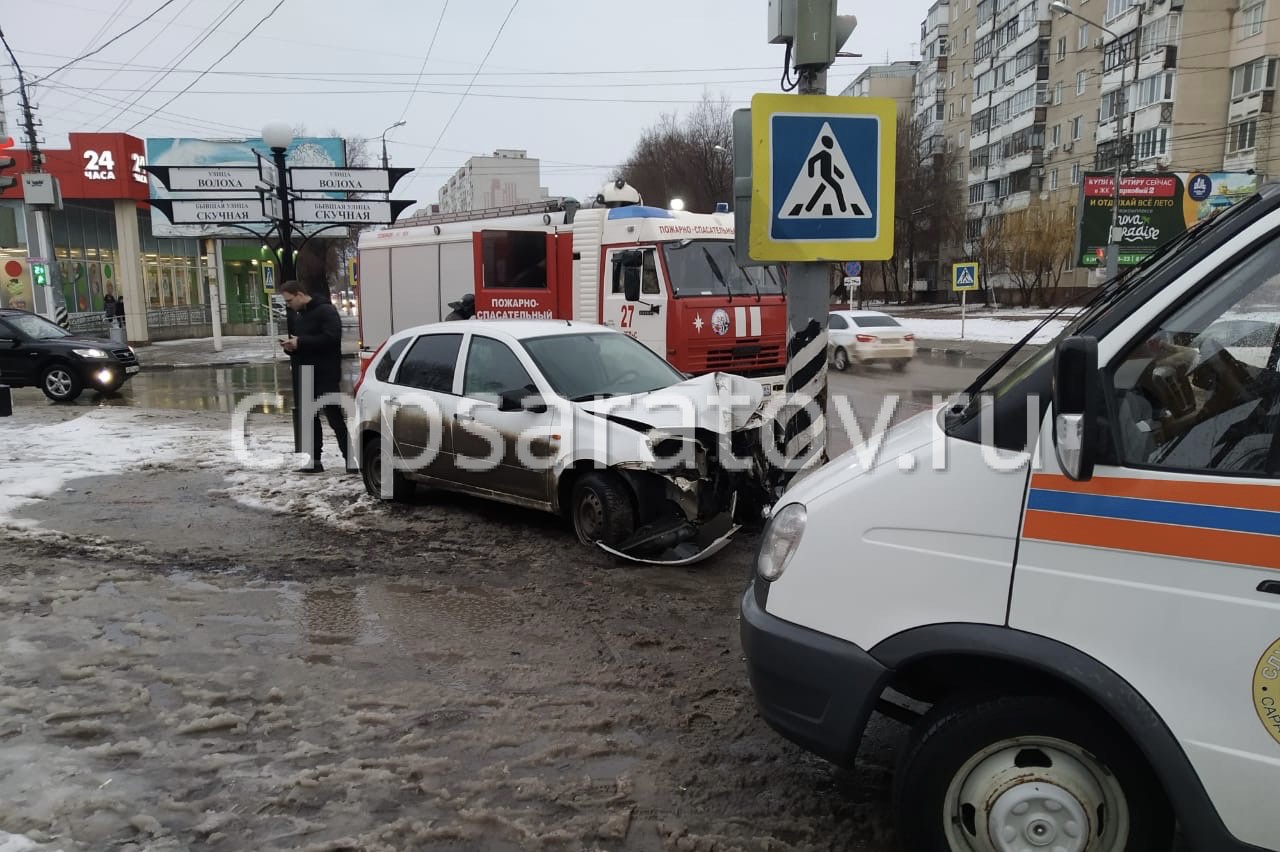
(306, 151)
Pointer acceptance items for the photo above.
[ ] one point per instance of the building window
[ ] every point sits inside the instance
(1062, 48)
(1057, 94)
(937, 113)
(1151, 144)
(975, 193)
(1076, 124)
(1080, 80)
(1082, 37)
(1116, 8)
(1053, 179)
(951, 111)
(964, 104)
(1075, 174)
(966, 36)
(1253, 77)
(1242, 136)
(1055, 135)
(1251, 19)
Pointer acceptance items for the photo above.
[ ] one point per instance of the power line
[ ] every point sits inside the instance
(190, 48)
(425, 58)
(241, 41)
(105, 44)
(479, 68)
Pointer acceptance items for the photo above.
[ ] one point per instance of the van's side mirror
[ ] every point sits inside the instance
(628, 264)
(1075, 418)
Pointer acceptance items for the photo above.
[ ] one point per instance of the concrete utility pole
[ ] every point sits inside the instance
(45, 304)
(816, 35)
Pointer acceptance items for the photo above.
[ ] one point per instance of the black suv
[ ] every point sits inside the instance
(36, 353)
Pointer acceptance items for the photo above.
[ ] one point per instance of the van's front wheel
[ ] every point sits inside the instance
(1026, 772)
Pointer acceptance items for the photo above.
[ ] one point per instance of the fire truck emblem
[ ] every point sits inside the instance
(720, 321)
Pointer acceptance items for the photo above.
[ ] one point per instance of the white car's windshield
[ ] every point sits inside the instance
(585, 366)
(36, 327)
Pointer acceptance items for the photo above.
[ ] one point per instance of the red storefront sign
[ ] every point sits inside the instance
(97, 165)
(1132, 187)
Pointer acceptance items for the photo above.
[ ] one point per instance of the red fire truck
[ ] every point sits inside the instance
(669, 278)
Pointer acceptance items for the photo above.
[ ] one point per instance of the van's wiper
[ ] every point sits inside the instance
(1099, 300)
(715, 268)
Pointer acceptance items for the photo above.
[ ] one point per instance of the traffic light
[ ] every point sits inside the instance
(40, 274)
(6, 181)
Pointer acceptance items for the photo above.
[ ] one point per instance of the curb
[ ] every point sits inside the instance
(163, 366)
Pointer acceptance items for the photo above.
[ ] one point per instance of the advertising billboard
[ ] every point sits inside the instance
(1154, 208)
(306, 151)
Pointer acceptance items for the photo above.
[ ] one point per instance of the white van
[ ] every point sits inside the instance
(1069, 584)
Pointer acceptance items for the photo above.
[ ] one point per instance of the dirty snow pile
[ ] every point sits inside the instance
(41, 460)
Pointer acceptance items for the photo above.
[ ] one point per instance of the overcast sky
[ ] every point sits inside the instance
(573, 82)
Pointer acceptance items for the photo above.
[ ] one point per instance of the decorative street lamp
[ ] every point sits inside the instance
(400, 123)
(1120, 108)
(278, 136)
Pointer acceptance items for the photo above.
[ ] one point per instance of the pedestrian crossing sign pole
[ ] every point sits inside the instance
(822, 177)
(964, 277)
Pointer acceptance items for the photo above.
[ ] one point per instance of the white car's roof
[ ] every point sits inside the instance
(515, 329)
(863, 314)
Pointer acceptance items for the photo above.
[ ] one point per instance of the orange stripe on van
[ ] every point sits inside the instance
(1238, 495)
(1221, 546)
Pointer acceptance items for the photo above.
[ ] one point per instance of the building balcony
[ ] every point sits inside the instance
(1256, 103)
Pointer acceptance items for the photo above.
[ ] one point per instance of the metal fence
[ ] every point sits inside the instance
(179, 315)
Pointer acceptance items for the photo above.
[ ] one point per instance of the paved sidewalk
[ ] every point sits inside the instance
(236, 351)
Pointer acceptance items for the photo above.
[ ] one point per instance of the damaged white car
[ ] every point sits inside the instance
(570, 418)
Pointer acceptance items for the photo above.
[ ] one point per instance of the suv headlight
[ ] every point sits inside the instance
(90, 353)
(781, 538)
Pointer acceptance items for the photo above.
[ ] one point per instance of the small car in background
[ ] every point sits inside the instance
(37, 353)
(866, 337)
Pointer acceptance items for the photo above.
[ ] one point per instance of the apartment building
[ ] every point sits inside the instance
(928, 105)
(1036, 97)
(508, 177)
(895, 81)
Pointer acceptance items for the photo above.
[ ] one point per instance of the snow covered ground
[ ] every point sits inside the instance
(984, 329)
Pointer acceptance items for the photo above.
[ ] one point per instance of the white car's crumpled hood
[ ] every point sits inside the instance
(719, 402)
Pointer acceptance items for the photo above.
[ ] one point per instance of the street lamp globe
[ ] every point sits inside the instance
(1059, 6)
(277, 134)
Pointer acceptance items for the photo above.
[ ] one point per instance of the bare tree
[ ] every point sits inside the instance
(1035, 247)
(928, 204)
(687, 158)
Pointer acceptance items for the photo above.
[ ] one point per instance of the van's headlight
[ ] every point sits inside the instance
(90, 353)
(781, 538)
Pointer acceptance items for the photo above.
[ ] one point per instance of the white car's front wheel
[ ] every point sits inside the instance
(601, 508)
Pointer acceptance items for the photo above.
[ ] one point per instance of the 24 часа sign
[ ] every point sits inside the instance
(1154, 209)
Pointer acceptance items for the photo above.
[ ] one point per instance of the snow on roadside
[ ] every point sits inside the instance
(983, 329)
(19, 843)
(39, 461)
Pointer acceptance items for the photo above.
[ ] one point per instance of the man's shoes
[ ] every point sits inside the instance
(316, 467)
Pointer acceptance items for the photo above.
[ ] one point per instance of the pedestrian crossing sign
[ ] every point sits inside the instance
(823, 177)
(964, 276)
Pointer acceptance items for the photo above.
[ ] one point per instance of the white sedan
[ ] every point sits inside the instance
(566, 417)
(865, 337)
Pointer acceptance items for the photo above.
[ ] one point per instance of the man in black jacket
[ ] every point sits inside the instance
(315, 348)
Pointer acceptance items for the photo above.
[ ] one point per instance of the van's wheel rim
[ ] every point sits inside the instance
(590, 515)
(58, 382)
(1006, 799)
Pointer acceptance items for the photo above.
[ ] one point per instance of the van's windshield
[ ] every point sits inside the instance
(709, 268)
(1097, 303)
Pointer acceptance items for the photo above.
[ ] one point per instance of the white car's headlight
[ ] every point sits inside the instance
(90, 353)
(781, 538)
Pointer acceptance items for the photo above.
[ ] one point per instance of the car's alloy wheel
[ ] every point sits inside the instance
(841, 359)
(60, 383)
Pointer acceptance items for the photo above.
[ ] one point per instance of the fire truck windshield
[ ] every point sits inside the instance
(709, 268)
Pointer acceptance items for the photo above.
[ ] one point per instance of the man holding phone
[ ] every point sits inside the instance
(315, 348)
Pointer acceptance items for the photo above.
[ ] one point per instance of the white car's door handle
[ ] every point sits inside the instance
(458, 415)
